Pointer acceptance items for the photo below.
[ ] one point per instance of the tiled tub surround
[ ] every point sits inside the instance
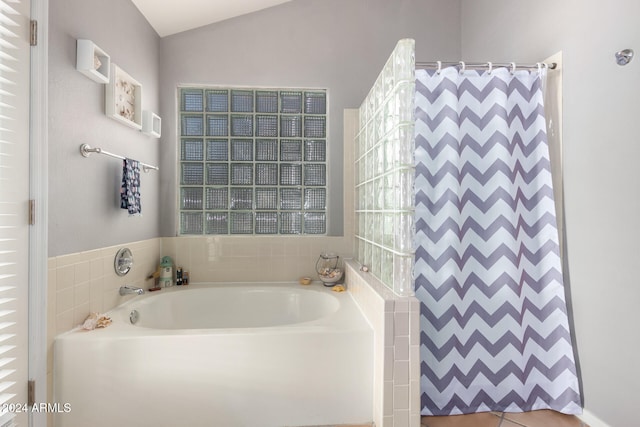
(251, 259)
(85, 282)
(396, 364)
(393, 318)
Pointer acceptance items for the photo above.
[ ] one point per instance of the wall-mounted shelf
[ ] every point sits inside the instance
(123, 98)
(92, 61)
(151, 124)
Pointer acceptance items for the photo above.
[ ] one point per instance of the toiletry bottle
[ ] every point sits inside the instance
(179, 276)
(166, 272)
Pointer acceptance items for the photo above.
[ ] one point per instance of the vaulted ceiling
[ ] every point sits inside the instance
(173, 16)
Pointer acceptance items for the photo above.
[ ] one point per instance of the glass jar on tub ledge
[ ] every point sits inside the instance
(329, 268)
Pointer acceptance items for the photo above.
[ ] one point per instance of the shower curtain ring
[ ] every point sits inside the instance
(489, 67)
(439, 70)
(513, 67)
(462, 67)
(539, 65)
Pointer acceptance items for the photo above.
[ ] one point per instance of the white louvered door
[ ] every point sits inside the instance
(14, 204)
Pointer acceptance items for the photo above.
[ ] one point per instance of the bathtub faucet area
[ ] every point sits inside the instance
(127, 289)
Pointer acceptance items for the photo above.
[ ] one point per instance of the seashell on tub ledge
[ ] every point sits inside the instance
(96, 320)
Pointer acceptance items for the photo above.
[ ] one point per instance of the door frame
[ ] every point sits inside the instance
(38, 189)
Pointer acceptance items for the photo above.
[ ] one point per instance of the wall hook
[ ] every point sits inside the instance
(625, 56)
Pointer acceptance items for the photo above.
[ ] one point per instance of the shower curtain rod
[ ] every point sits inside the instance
(86, 150)
(487, 65)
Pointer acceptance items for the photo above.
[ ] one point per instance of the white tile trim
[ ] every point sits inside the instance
(396, 370)
(589, 418)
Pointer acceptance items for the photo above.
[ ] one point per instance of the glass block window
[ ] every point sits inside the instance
(252, 161)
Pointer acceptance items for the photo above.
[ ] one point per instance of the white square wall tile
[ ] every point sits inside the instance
(97, 268)
(414, 305)
(402, 305)
(388, 363)
(111, 298)
(64, 300)
(414, 362)
(414, 397)
(51, 280)
(91, 255)
(414, 327)
(389, 305)
(400, 397)
(80, 313)
(96, 306)
(64, 321)
(387, 400)
(65, 277)
(400, 372)
(52, 296)
(81, 294)
(401, 348)
(401, 418)
(70, 259)
(389, 328)
(401, 323)
(108, 265)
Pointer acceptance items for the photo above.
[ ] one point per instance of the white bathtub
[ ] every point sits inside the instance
(220, 355)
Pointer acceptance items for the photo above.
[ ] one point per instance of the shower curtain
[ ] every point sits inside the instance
(494, 327)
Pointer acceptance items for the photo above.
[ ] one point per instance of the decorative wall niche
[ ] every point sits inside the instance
(151, 124)
(92, 61)
(123, 98)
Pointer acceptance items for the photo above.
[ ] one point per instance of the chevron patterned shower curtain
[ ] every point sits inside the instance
(494, 327)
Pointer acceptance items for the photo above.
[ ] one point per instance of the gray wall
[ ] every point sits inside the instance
(601, 152)
(351, 40)
(340, 45)
(84, 210)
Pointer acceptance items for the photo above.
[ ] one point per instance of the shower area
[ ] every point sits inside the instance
(456, 204)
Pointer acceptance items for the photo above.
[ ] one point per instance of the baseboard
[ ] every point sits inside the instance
(591, 420)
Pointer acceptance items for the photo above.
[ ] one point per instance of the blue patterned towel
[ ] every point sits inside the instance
(130, 188)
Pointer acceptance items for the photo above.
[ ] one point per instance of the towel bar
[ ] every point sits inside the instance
(86, 150)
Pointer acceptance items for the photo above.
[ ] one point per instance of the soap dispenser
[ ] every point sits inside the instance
(166, 272)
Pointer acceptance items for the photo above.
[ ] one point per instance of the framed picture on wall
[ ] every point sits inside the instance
(123, 98)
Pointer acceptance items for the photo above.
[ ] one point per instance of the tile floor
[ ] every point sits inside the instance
(345, 425)
(543, 418)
